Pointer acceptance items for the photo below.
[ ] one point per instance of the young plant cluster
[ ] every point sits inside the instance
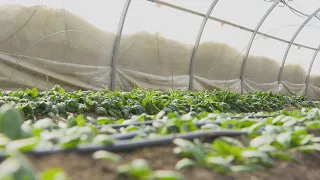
(266, 141)
(32, 121)
(119, 104)
(269, 140)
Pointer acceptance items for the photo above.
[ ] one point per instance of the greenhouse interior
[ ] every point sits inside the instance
(159, 89)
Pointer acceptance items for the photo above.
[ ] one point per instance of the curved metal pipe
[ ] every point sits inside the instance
(245, 59)
(116, 46)
(309, 70)
(226, 22)
(291, 42)
(196, 45)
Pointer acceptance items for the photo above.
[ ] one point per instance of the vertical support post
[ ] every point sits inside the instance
(116, 45)
(309, 70)
(196, 45)
(245, 59)
(291, 41)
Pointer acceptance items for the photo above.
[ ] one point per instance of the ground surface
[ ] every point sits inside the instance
(83, 166)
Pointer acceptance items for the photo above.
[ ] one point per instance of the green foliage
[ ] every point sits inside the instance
(105, 155)
(173, 112)
(118, 104)
(10, 122)
(16, 166)
(140, 169)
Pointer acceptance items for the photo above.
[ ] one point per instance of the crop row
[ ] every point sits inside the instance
(266, 140)
(118, 104)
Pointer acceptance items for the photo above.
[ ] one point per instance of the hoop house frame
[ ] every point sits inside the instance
(245, 59)
(291, 42)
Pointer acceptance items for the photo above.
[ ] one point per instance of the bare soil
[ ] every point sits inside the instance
(83, 166)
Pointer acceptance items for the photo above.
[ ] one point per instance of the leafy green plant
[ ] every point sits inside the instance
(16, 166)
(140, 169)
(119, 104)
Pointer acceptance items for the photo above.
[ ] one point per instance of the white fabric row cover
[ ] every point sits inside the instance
(71, 43)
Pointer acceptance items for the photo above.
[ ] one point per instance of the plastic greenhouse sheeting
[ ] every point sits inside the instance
(242, 45)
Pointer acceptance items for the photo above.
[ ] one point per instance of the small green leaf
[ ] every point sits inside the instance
(255, 127)
(167, 175)
(309, 148)
(44, 124)
(53, 174)
(232, 141)
(254, 154)
(224, 149)
(80, 120)
(283, 156)
(23, 145)
(104, 120)
(246, 168)
(10, 122)
(103, 139)
(61, 90)
(3, 141)
(220, 164)
(267, 148)
(17, 167)
(290, 122)
(262, 140)
(306, 139)
(160, 114)
(284, 139)
(34, 93)
(139, 168)
(278, 119)
(184, 163)
(315, 139)
(106, 155)
(183, 143)
(8, 168)
(262, 156)
(313, 124)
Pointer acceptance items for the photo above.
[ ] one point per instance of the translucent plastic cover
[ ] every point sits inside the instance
(161, 44)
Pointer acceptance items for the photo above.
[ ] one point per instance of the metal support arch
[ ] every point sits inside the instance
(309, 70)
(291, 42)
(196, 45)
(245, 59)
(116, 46)
(226, 22)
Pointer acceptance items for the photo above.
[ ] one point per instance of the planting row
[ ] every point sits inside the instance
(118, 104)
(263, 141)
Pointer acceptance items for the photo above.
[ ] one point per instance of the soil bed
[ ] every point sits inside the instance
(83, 166)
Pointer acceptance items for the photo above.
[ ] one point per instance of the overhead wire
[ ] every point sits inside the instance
(284, 4)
